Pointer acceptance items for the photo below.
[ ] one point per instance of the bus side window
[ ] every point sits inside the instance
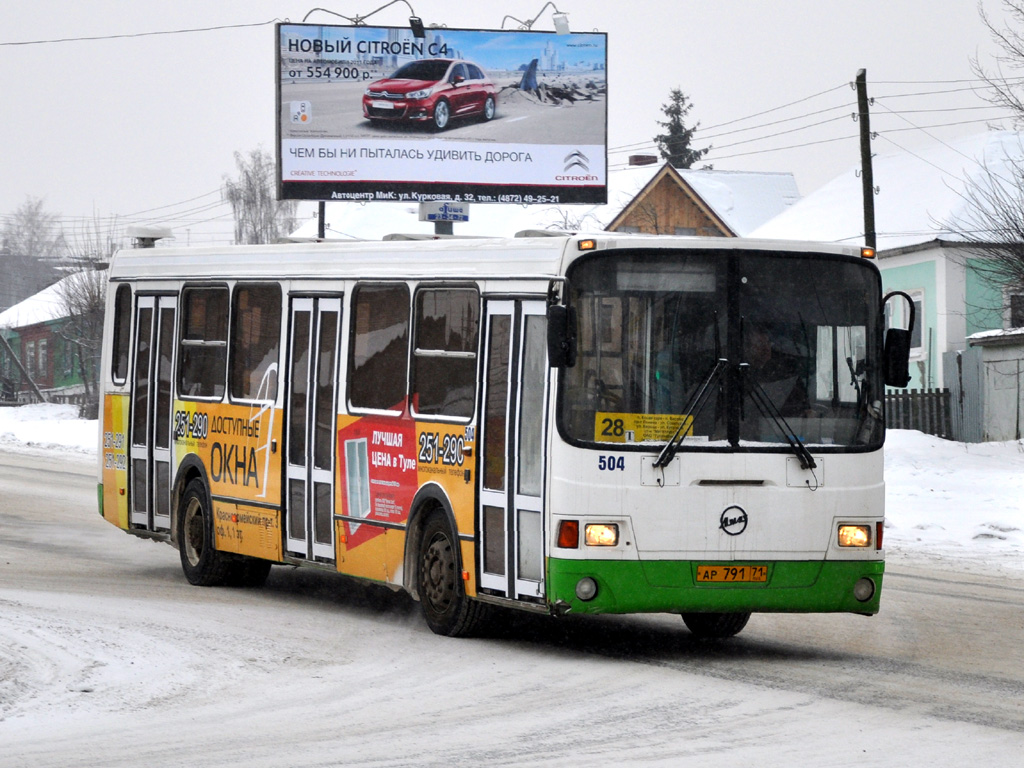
(379, 347)
(255, 342)
(204, 342)
(444, 357)
(122, 335)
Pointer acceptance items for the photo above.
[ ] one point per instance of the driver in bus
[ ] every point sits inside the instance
(777, 373)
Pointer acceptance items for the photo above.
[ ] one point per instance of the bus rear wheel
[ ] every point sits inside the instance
(203, 565)
(715, 626)
(442, 593)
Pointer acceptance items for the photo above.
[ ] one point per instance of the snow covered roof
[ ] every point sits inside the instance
(742, 200)
(997, 337)
(920, 194)
(43, 306)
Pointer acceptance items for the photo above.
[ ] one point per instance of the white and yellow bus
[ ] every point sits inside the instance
(585, 424)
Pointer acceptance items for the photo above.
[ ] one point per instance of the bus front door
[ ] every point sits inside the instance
(311, 424)
(511, 511)
(151, 404)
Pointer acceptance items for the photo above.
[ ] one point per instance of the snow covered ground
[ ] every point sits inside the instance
(125, 664)
(943, 499)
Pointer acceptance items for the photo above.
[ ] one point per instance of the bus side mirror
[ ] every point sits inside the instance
(561, 336)
(896, 357)
(896, 352)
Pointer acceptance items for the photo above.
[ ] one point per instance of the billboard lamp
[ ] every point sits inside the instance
(560, 19)
(415, 22)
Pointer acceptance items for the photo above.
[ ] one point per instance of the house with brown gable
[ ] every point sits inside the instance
(662, 200)
(645, 197)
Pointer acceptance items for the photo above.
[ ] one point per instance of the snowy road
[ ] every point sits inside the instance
(109, 658)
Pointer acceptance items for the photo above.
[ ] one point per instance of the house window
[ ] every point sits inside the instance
(686, 231)
(917, 334)
(1017, 310)
(30, 357)
(41, 360)
(68, 359)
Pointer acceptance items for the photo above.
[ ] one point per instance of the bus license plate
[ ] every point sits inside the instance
(731, 573)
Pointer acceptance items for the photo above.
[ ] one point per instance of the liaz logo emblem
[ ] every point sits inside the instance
(733, 520)
(577, 160)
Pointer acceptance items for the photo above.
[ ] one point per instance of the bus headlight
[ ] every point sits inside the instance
(854, 535)
(602, 534)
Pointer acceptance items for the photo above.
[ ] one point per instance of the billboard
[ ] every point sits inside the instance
(478, 116)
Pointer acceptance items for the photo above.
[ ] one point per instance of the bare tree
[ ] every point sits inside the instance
(259, 216)
(566, 220)
(83, 293)
(993, 219)
(992, 222)
(1003, 83)
(30, 244)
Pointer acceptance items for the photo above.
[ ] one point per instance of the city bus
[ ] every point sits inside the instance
(556, 423)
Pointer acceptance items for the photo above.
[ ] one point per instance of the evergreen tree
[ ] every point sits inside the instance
(674, 144)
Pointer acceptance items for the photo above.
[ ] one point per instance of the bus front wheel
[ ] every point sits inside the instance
(203, 565)
(715, 625)
(442, 593)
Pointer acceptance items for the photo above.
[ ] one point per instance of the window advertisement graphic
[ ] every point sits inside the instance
(477, 116)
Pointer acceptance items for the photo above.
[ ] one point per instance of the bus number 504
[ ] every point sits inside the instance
(611, 463)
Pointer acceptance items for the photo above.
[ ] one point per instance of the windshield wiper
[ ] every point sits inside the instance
(690, 411)
(771, 412)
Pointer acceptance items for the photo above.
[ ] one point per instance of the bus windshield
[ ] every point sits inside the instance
(741, 350)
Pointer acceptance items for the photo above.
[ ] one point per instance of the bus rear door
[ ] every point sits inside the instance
(151, 404)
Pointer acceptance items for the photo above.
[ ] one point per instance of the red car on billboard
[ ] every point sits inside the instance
(434, 90)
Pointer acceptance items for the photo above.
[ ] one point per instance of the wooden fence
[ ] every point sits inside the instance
(926, 410)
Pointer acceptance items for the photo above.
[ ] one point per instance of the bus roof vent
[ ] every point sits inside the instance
(430, 236)
(146, 237)
(544, 233)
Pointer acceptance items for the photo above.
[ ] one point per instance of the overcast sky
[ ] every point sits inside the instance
(144, 127)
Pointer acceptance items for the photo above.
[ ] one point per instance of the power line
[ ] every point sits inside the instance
(180, 202)
(139, 34)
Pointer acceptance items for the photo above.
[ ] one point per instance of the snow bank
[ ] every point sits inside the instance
(946, 499)
(47, 426)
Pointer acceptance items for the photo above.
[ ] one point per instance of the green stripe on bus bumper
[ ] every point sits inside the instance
(99, 497)
(669, 586)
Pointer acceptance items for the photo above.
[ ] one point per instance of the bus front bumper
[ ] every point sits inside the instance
(671, 586)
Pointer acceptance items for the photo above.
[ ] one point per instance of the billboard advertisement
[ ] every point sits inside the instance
(469, 116)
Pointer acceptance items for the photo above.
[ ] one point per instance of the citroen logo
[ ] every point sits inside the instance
(577, 160)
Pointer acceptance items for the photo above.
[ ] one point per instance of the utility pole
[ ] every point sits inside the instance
(866, 175)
